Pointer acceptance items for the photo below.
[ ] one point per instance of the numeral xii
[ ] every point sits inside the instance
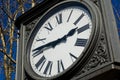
(59, 18)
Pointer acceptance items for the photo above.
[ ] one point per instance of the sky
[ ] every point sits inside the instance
(116, 8)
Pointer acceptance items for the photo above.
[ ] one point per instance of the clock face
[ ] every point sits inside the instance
(59, 40)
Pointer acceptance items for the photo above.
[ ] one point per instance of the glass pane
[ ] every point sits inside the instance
(116, 8)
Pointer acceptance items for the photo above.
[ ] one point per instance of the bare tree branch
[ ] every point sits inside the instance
(10, 31)
(8, 56)
(7, 13)
(4, 51)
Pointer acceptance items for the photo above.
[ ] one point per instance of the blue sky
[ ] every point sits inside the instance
(116, 8)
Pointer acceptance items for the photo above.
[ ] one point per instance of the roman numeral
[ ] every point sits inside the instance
(41, 62)
(85, 27)
(77, 21)
(59, 18)
(36, 53)
(48, 68)
(49, 27)
(60, 66)
(69, 16)
(73, 57)
(41, 39)
(81, 42)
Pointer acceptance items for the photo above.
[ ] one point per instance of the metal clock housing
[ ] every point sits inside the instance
(61, 40)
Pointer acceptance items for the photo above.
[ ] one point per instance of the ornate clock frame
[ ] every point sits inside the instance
(102, 64)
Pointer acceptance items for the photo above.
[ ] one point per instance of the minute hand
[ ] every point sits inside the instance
(52, 44)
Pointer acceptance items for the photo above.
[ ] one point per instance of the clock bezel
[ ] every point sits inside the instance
(87, 51)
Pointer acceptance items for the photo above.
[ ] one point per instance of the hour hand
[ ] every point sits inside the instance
(53, 44)
(71, 32)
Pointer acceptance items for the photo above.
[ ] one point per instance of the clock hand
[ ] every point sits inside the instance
(52, 44)
(71, 32)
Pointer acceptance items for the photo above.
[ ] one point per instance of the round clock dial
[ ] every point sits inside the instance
(59, 39)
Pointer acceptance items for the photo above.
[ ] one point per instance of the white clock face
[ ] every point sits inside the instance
(60, 41)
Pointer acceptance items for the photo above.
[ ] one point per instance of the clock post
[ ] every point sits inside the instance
(92, 34)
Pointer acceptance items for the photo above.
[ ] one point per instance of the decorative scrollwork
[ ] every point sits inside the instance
(29, 28)
(98, 58)
(96, 2)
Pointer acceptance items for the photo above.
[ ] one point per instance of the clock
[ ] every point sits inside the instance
(60, 40)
